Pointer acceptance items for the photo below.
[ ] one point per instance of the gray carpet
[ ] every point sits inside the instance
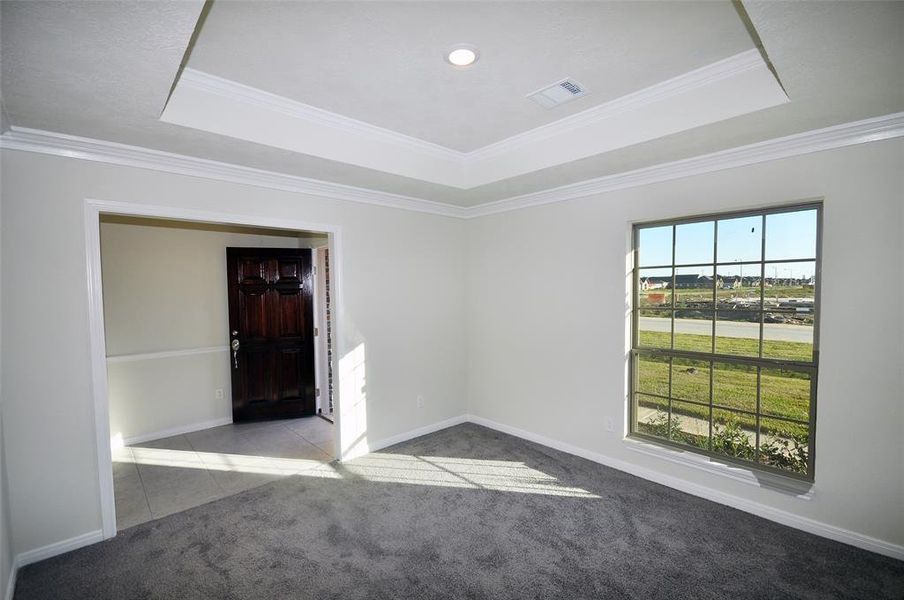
(610, 536)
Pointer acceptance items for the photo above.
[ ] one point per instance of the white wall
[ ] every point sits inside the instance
(547, 316)
(402, 278)
(165, 290)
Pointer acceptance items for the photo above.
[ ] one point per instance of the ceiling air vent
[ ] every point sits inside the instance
(558, 93)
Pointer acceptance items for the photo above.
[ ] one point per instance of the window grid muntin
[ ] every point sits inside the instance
(760, 362)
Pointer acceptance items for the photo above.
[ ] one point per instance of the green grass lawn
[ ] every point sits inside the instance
(784, 393)
(728, 345)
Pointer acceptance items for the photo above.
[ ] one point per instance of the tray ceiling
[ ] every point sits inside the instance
(106, 70)
(382, 62)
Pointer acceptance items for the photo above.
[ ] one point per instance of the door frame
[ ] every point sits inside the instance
(93, 210)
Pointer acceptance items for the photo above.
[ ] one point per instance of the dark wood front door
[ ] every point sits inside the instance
(271, 330)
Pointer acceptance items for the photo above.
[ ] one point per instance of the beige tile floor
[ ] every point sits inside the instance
(158, 478)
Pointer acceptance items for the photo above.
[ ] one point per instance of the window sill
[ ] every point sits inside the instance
(802, 490)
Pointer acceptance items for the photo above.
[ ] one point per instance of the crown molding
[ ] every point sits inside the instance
(708, 74)
(227, 88)
(838, 136)
(733, 86)
(70, 146)
(686, 82)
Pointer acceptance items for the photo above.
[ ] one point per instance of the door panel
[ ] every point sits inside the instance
(271, 315)
(253, 310)
(254, 365)
(288, 319)
(290, 298)
(290, 373)
(289, 270)
(252, 281)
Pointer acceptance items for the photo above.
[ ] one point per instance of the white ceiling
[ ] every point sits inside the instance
(77, 63)
(734, 86)
(105, 70)
(382, 62)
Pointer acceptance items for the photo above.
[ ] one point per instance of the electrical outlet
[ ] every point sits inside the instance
(420, 402)
(610, 426)
(218, 394)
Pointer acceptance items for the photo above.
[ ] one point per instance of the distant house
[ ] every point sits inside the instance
(655, 283)
(791, 281)
(733, 282)
(681, 282)
(693, 281)
(730, 282)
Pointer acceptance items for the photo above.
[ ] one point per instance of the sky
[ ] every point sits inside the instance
(789, 236)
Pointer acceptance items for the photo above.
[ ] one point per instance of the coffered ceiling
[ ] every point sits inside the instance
(358, 92)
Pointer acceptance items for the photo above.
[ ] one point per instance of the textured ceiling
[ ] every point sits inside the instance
(838, 61)
(382, 62)
(104, 70)
(67, 57)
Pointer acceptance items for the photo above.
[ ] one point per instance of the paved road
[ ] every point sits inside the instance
(736, 329)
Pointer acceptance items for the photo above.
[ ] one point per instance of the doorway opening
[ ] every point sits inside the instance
(193, 405)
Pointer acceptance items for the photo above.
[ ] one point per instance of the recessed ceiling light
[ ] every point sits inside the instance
(462, 55)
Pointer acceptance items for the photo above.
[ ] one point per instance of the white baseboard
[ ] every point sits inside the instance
(761, 510)
(157, 435)
(50, 550)
(413, 433)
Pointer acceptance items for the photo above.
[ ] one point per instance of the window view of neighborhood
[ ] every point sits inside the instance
(724, 317)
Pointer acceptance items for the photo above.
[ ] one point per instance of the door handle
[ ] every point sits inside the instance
(235, 352)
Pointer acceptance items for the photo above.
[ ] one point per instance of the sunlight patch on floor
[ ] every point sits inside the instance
(216, 461)
(440, 471)
(508, 476)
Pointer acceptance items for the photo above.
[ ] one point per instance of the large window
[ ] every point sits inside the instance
(725, 338)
